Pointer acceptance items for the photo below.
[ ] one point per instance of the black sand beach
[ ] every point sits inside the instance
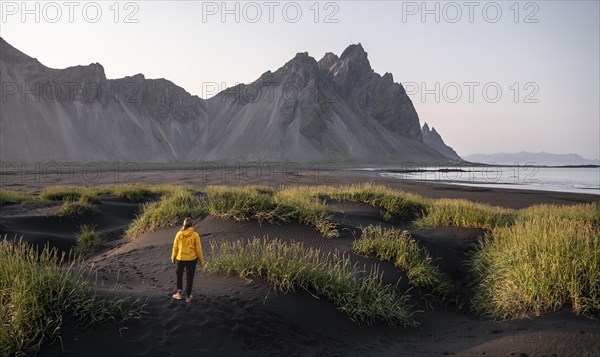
(231, 316)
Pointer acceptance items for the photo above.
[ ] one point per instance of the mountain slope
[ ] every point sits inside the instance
(335, 109)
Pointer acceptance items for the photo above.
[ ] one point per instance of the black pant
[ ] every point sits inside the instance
(190, 269)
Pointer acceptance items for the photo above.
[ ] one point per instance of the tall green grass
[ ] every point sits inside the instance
(169, 211)
(267, 204)
(78, 208)
(401, 249)
(239, 203)
(243, 203)
(38, 290)
(66, 193)
(308, 209)
(291, 267)
(540, 264)
(403, 205)
(135, 193)
(588, 213)
(463, 213)
(8, 197)
(88, 241)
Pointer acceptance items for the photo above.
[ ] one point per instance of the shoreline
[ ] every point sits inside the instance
(294, 176)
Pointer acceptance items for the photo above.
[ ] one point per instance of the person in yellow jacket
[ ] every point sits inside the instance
(187, 251)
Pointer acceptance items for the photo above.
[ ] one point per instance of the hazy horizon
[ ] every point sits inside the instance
(554, 61)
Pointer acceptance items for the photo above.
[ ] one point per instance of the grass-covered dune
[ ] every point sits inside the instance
(533, 260)
(291, 266)
(401, 249)
(546, 239)
(540, 240)
(305, 204)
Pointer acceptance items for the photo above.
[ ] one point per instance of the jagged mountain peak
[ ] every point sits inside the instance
(388, 77)
(352, 69)
(434, 140)
(91, 72)
(426, 129)
(302, 59)
(353, 57)
(139, 76)
(355, 50)
(303, 56)
(328, 60)
(300, 70)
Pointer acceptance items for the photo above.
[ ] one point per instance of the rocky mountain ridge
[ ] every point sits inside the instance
(335, 109)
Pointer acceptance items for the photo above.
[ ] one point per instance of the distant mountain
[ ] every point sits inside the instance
(434, 140)
(523, 158)
(335, 109)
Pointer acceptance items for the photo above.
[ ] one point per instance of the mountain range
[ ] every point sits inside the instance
(335, 109)
(530, 158)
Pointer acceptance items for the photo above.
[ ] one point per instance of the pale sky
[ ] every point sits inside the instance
(550, 49)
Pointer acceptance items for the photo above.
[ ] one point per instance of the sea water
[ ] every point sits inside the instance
(560, 179)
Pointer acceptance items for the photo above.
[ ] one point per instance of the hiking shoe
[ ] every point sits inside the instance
(188, 298)
(178, 295)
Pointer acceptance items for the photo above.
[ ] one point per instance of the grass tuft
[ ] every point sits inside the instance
(169, 211)
(65, 193)
(9, 197)
(134, 193)
(292, 266)
(308, 209)
(88, 241)
(405, 206)
(78, 208)
(38, 290)
(582, 213)
(463, 213)
(242, 203)
(540, 264)
(401, 249)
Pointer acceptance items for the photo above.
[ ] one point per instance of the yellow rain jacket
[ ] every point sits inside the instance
(187, 246)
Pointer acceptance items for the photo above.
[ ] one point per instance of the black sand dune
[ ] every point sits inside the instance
(38, 224)
(234, 317)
